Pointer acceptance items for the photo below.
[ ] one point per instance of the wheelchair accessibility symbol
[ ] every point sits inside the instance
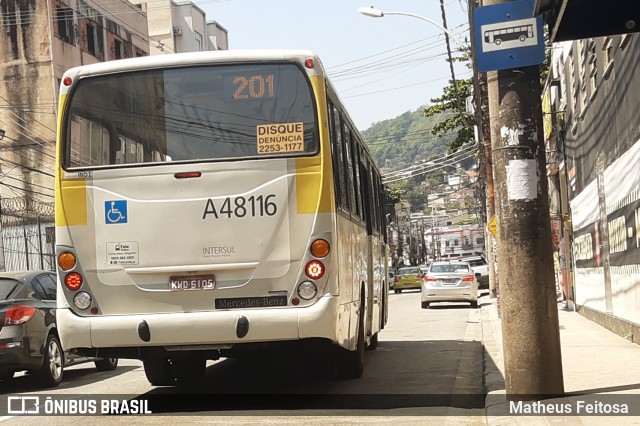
(115, 211)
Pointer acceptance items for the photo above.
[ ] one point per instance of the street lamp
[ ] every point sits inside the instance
(376, 13)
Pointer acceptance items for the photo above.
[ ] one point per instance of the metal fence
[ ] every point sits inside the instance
(28, 230)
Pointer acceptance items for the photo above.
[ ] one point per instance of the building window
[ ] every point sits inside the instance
(198, 38)
(607, 49)
(64, 18)
(583, 77)
(92, 30)
(593, 68)
(117, 45)
(624, 40)
(572, 73)
(455, 242)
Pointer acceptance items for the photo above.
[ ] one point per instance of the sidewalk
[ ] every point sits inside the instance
(594, 361)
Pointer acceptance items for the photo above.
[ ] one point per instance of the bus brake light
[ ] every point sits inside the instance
(314, 269)
(73, 281)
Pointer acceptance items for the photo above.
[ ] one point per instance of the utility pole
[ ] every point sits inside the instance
(484, 151)
(532, 356)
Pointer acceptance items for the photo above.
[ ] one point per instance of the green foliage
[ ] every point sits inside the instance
(402, 141)
(458, 120)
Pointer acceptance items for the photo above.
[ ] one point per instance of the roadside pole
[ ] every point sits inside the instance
(531, 338)
(484, 138)
(533, 363)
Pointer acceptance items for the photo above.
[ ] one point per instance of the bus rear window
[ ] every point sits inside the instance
(203, 113)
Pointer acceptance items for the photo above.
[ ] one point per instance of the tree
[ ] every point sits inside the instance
(452, 105)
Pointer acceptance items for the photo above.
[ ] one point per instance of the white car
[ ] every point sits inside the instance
(480, 268)
(449, 282)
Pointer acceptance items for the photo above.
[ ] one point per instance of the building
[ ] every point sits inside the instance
(181, 26)
(39, 41)
(592, 102)
(451, 241)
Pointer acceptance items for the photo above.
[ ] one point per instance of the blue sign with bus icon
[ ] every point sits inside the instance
(507, 35)
(115, 211)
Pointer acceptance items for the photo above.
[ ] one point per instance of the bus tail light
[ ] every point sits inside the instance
(18, 314)
(320, 248)
(73, 281)
(66, 261)
(307, 290)
(82, 300)
(314, 269)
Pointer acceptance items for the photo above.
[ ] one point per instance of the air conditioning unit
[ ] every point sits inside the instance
(177, 31)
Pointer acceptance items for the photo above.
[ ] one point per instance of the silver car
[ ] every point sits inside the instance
(450, 282)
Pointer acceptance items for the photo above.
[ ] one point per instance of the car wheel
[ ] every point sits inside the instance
(425, 305)
(6, 375)
(474, 304)
(396, 291)
(106, 364)
(51, 373)
(159, 371)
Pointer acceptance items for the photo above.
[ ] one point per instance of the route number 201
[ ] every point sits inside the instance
(255, 87)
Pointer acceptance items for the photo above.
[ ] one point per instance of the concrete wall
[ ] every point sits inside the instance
(602, 132)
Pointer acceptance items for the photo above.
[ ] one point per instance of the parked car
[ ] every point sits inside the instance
(392, 279)
(28, 334)
(480, 267)
(449, 282)
(408, 278)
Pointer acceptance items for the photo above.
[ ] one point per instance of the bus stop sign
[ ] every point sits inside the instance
(508, 36)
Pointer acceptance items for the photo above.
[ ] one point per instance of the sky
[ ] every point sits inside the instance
(381, 67)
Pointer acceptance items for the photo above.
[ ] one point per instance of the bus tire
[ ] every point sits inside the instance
(159, 371)
(106, 364)
(350, 364)
(189, 371)
(373, 343)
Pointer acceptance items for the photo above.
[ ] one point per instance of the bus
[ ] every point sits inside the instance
(498, 35)
(215, 204)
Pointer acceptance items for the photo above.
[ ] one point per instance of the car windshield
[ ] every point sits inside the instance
(408, 271)
(449, 267)
(477, 262)
(7, 287)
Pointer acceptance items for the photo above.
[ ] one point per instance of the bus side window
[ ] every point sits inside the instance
(339, 170)
(356, 175)
(349, 168)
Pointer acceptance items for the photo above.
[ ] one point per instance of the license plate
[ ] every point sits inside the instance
(251, 302)
(192, 282)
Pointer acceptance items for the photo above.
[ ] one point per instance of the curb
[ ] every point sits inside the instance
(495, 403)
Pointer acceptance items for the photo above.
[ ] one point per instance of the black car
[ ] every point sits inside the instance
(28, 334)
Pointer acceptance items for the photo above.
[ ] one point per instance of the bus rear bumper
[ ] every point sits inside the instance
(201, 328)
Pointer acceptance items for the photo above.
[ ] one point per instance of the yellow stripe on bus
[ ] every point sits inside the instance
(314, 176)
(71, 202)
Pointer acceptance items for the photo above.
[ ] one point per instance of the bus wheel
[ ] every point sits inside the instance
(106, 364)
(159, 371)
(373, 343)
(350, 364)
(189, 371)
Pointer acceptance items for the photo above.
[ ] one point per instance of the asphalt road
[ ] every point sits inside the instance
(428, 369)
